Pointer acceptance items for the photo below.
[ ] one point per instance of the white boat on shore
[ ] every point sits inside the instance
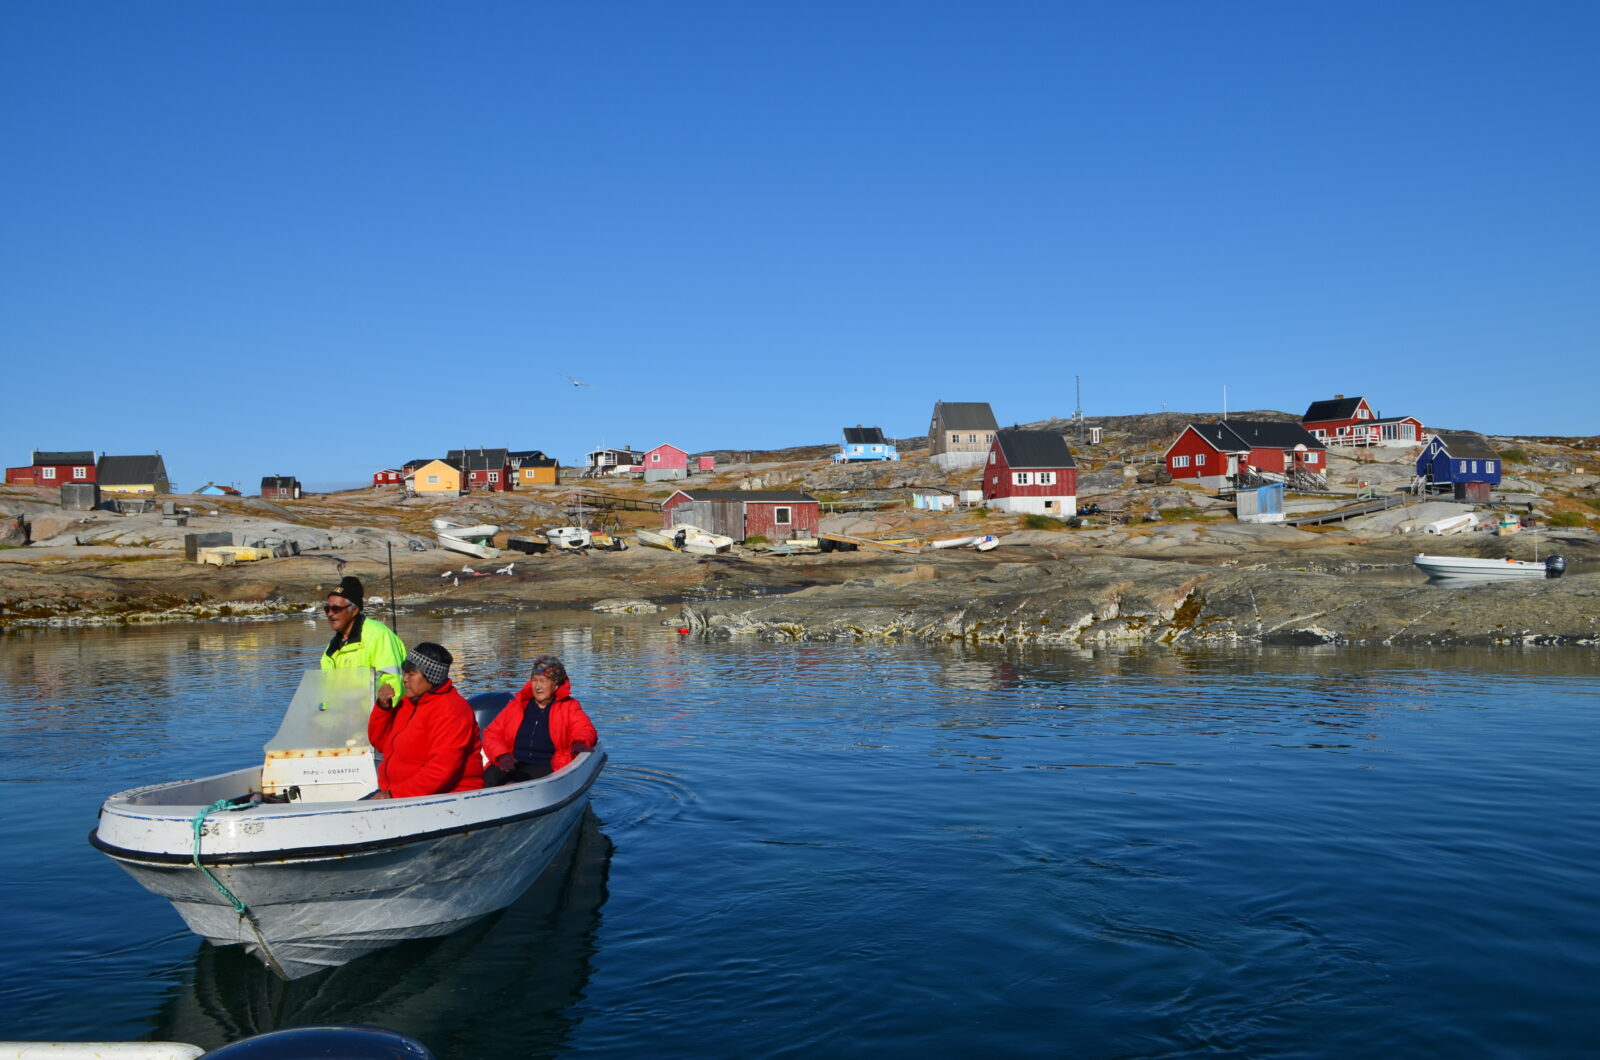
(570, 538)
(470, 548)
(325, 877)
(682, 537)
(981, 542)
(1466, 568)
(477, 532)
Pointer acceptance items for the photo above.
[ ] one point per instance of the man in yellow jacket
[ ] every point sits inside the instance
(359, 640)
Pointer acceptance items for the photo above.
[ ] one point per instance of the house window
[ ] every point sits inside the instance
(80, 472)
(991, 458)
(1047, 478)
(433, 480)
(1461, 467)
(972, 438)
(1022, 478)
(955, 439)
(655, 458)
(1362, 414)
(1311, 458)
(1320, 433)
(1474, 467)
(1199, 460)
(494, 476)
(1488, 465)
(1180, 461)
(47, 472)
(780, 516)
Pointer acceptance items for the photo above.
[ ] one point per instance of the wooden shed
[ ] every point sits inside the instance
(777, 515)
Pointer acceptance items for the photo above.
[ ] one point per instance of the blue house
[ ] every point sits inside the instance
(864, 443)
(1462, 460)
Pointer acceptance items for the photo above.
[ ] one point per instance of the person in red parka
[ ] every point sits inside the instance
(542, 729)
(429, 740)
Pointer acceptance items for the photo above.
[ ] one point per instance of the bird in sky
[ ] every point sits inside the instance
(574, 382)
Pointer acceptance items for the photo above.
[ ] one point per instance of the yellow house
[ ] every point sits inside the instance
(537, 475)
(435, 476)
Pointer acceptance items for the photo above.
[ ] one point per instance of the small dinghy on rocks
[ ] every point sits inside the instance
(286, 858)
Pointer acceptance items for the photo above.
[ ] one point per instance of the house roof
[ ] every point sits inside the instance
(72, 457)
(1023, 449)
(418, 461)
(1465, 445)
(520, 456)
(1342, 408)
(629, 453)
(965, 415)
(863, 436)
(279, 482)
(1391, 419)
(1265, 434)
(453, 466)
(479, 459)
(747, 495)
(131, 470)
(1241, 436)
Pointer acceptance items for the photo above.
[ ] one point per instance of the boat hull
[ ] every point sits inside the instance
(1463, 568)
(456, 544)
(327, 883)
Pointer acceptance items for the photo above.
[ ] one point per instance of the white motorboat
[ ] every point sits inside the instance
(570, 538)
(1465, 568)
(324, 877)
(470, 548)
(684, 537)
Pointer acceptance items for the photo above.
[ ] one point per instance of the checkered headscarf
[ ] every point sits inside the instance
(430, 660)
(551, 667)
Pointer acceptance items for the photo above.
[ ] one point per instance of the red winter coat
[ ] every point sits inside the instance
(568, 725)
(429, 745)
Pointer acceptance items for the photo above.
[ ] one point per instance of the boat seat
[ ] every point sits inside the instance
(486, 706)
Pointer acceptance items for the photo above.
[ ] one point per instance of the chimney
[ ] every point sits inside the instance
(1338, 397)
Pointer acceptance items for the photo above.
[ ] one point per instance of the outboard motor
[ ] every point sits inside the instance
(1555, 566)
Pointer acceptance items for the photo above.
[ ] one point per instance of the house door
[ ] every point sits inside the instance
(1233, 464)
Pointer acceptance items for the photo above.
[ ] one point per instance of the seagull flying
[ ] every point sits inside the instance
(574, 382)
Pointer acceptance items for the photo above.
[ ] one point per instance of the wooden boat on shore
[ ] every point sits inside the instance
(981, 542)
(1466, 568)
(288, 859)
(476, 532)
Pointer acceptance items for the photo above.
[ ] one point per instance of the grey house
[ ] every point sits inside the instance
(961, 433)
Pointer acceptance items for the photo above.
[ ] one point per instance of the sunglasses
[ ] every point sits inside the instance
(334, 609)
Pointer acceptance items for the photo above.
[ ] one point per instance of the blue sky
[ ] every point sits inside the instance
(318, 239)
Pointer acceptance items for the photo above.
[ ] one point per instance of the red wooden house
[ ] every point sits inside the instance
(1214, 454)
(776, 515)
(1031, 471)
(53, 469)
(1351, 421)
(389, 476)
(482, 469)
(665, 462)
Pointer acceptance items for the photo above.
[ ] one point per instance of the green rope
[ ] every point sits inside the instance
(199, 823)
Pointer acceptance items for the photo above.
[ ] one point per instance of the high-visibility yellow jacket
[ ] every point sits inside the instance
(371, 644)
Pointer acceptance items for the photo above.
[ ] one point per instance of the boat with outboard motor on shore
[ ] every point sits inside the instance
(1466, 568)
(290, 860)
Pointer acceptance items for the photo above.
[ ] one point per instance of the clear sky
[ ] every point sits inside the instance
(319, 238)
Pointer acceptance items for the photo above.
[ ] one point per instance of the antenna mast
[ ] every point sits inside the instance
(1077, 413)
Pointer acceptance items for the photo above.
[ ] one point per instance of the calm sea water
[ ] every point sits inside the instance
(884, 849)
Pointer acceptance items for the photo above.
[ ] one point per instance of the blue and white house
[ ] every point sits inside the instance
(1462, 460)
(864, 443)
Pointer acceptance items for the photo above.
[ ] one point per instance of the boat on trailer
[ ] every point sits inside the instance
(288, 859)
(1466, 568)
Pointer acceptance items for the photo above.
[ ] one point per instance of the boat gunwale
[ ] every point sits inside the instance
(326, 851)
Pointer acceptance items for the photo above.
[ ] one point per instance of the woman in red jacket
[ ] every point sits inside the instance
(429, 740)
(542, 729)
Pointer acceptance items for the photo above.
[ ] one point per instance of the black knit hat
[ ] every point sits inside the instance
(431, 660)
(350, 588)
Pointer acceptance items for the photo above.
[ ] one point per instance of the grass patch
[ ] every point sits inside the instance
(1567, 519)
(756, 539)
(1514, 455)
(1043, 522)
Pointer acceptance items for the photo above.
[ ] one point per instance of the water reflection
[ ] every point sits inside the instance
(502, 987)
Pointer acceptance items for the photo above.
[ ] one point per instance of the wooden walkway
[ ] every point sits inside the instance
(1339, 515)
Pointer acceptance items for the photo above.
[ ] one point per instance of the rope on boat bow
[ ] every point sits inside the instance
(238, 906)
(199, 827)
